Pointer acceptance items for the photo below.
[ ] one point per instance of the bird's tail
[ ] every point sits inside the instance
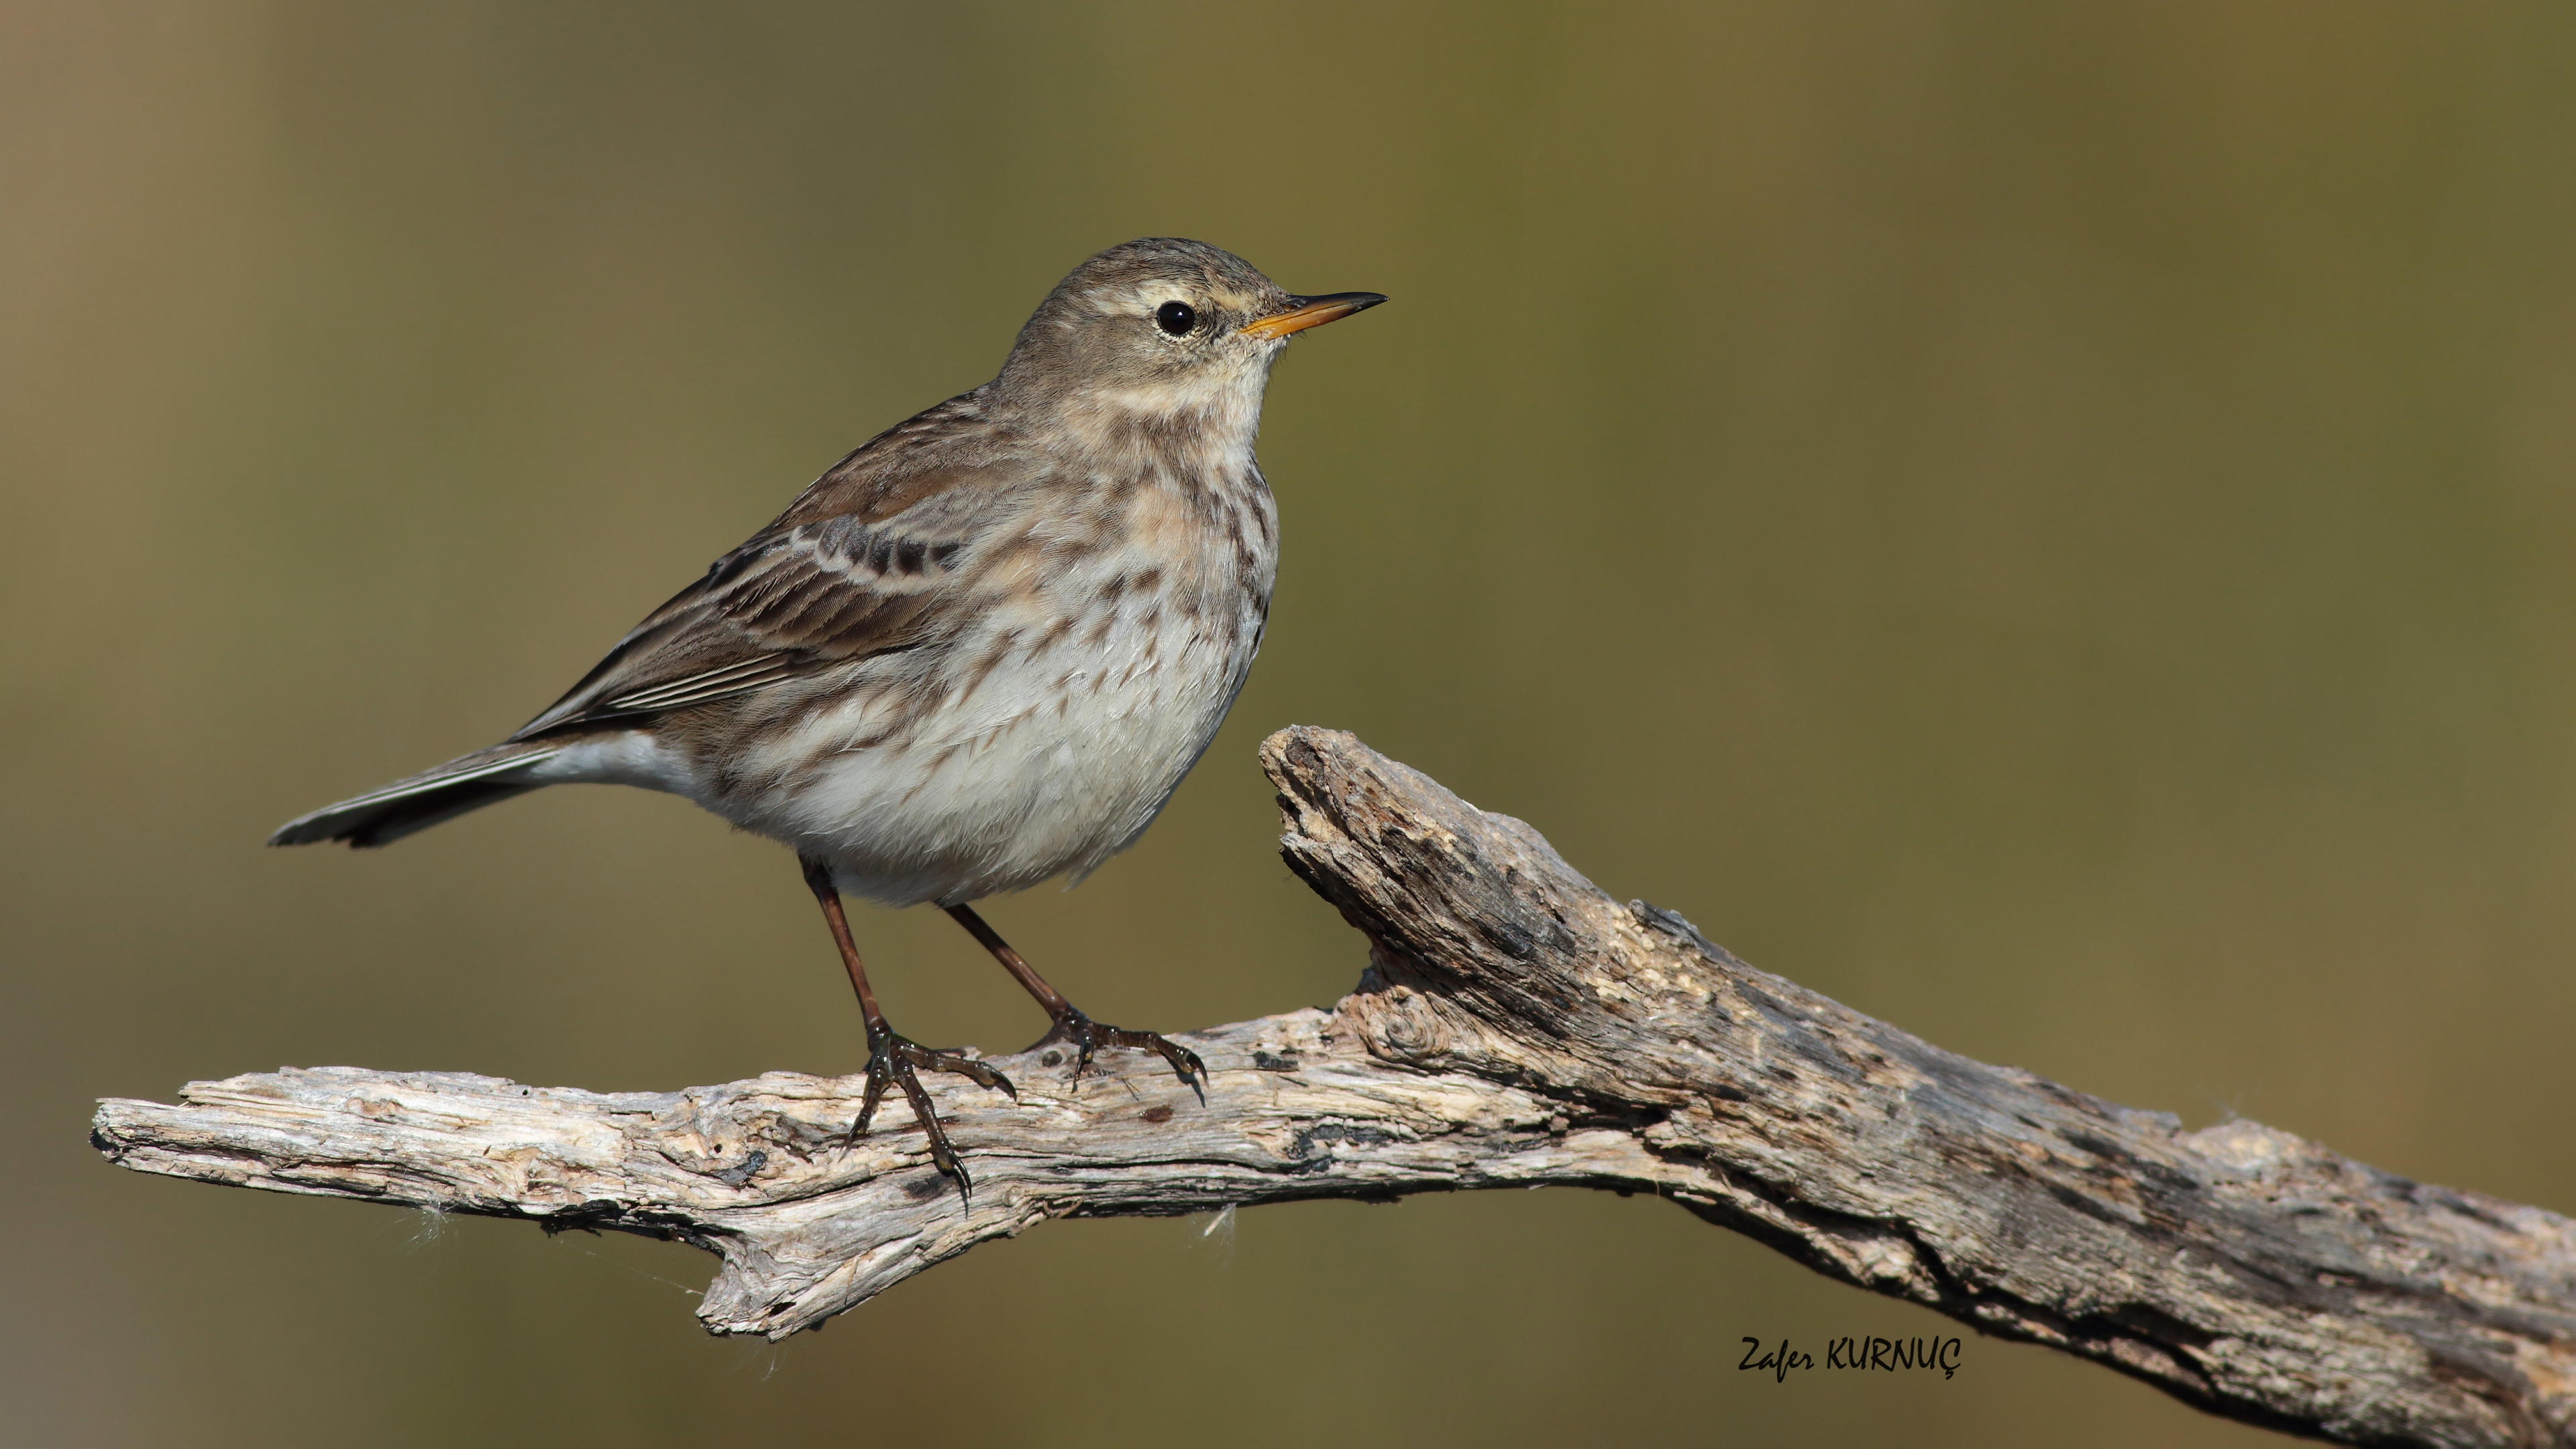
(381, 817)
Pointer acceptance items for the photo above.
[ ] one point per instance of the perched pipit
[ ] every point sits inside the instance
(978, 653)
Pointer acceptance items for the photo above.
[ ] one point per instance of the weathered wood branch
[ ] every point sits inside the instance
(1519, 1027)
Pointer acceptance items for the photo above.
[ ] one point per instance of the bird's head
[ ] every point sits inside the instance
(1163, 332)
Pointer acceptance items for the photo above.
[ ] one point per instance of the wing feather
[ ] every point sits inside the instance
(821, 586)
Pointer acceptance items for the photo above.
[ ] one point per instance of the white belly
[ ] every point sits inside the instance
(1053, 762)
(1050, 765)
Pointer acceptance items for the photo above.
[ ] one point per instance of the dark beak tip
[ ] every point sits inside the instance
(1356, 301)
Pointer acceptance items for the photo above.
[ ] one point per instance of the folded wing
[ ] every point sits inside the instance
(799, 597)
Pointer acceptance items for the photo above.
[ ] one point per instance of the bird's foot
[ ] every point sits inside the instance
(897, 1061)
(1087, 1037)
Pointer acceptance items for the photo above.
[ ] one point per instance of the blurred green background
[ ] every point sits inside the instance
(2054, 525)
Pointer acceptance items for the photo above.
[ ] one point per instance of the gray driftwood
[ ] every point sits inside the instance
(1519, 1027)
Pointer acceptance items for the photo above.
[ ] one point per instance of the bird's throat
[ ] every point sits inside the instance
(1199, 427)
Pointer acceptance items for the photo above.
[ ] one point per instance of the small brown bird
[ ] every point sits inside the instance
(978, 653)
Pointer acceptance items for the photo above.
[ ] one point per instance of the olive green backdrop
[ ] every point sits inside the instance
(2054, 525)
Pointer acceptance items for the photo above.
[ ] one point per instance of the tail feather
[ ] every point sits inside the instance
(381, 817)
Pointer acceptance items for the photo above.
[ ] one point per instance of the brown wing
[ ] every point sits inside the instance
(857, 566)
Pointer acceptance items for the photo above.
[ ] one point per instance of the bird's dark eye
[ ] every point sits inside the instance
(1176, 318)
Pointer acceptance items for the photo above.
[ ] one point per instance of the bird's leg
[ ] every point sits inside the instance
(891, 1058)
(1071, 1026)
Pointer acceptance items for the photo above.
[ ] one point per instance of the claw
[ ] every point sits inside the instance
(1086, 1037)
(898, 1061)
(982, 1075)
(1186, 1063)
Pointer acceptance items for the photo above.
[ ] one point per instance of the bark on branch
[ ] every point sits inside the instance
(1517, 1026)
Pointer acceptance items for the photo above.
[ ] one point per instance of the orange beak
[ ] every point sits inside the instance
(1305, 312)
